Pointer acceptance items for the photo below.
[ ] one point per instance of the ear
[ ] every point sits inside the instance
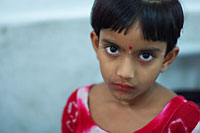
(170, 57)
(95, 41)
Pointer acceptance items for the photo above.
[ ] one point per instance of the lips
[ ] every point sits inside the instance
(121, 86)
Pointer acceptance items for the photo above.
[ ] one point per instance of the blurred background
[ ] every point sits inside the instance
(46, 53)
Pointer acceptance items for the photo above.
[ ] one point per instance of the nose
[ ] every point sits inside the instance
(126, 68)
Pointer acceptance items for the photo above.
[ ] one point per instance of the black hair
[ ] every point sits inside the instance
(160, 20)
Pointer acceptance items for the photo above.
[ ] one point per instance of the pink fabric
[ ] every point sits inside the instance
(178, 116)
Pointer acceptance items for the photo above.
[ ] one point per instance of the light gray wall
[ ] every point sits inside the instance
(43, 58)
(40, 65)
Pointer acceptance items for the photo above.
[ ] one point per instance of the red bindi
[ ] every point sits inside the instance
(130, 47)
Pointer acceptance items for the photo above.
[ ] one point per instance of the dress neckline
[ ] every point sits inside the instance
(153, 122)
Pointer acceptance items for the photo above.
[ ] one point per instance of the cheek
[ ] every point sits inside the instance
(106, 67)
(150, 74)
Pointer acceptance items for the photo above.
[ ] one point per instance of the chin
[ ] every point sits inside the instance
(120, 95)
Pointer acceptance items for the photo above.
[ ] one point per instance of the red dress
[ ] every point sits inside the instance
(178, 116)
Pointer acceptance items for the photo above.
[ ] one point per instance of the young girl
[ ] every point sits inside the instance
(134, 40)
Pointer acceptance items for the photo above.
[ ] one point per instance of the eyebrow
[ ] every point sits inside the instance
(149, 50)
(110, 43)
(144, 50)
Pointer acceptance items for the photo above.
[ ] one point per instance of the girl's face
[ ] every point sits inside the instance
(129, 64)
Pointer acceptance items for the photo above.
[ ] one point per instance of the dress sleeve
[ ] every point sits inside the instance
(185, 119)
(197, 128)
(70, 115)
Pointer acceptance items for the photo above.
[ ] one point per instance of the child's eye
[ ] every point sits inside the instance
(112, 50)
(146, 57)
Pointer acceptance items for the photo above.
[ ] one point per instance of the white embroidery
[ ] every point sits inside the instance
(76, 114)
(179, 120)
(197, 128)
(96, 129)
(70, 106)
(68, 125)
(73, 118)
(185, 101)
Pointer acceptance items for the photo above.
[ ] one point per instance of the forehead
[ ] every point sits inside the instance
(134, 38)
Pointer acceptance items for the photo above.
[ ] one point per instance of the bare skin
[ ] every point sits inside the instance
(118, 117)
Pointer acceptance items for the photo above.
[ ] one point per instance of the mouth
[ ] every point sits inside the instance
(123, 87)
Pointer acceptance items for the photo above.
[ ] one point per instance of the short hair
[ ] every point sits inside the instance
(160, 20)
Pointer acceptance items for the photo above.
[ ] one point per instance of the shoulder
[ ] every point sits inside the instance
(71, 111)
(185, 116)
(79, 93)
